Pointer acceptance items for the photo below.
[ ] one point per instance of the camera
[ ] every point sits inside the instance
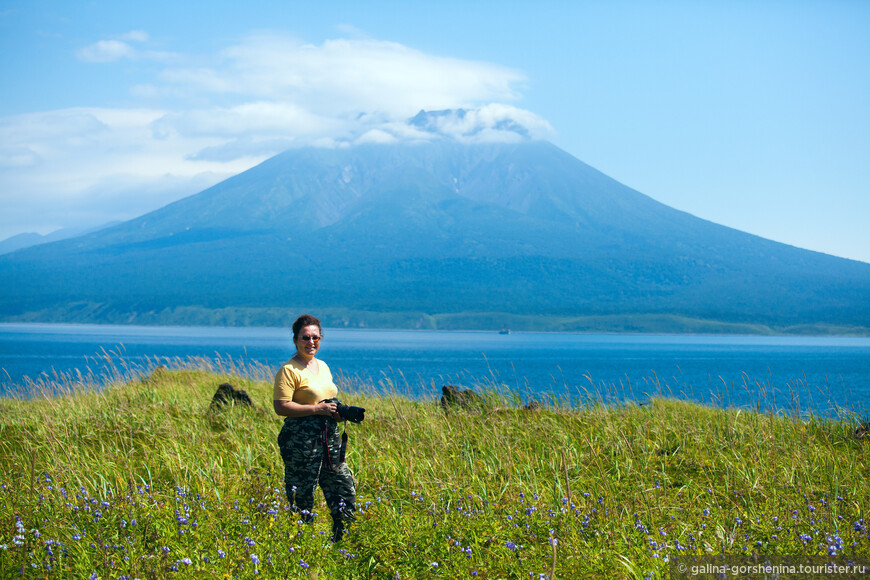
(351, 413)
(348, 412)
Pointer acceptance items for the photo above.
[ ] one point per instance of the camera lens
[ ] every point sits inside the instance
(350, 413)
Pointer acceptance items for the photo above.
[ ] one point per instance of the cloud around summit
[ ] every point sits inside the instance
(271, 87)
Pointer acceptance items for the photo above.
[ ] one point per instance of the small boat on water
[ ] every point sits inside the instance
(504, 331)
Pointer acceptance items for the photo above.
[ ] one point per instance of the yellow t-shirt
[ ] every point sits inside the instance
(296, 383)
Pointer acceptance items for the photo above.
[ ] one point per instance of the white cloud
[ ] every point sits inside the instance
(93, 164)
(377, 136)
(264, 118)
(235, 109)
(340, 91)
(349, 76)
(113, 50)
(106, 51)
(135, 36)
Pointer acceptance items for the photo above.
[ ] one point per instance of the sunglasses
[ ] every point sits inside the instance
(309, 337)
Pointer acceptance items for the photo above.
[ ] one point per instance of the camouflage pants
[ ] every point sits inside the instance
(311, 450)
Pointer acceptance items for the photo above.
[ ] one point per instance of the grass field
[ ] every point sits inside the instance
(141, 480)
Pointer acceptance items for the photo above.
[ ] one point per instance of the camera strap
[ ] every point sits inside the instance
(342, 450)
(343, 446)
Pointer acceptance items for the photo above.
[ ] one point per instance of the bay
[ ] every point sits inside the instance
(789, 374)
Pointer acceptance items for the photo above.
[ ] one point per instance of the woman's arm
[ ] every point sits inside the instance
(293, 409)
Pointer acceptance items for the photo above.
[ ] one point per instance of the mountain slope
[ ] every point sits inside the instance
(432, 229)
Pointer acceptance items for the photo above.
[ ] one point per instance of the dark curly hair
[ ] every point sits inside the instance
(302, 322)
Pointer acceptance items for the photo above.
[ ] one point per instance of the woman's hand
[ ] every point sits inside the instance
(326, 408)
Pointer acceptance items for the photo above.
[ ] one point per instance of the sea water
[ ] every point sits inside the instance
(821, 375)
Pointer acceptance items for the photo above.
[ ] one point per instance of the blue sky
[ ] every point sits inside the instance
(750, 114)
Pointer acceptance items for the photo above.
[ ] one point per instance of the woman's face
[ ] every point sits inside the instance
(308, 341)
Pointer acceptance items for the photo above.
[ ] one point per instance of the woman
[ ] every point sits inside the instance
(310, 446)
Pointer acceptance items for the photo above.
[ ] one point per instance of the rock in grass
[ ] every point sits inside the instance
(533, 405)
(452, 396)
(227, 394)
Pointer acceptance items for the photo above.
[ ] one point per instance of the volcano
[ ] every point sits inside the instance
(437, 234)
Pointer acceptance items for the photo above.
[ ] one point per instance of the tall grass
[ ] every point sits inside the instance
(138, 479)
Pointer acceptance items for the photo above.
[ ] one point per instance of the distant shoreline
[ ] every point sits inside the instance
(471, 321)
